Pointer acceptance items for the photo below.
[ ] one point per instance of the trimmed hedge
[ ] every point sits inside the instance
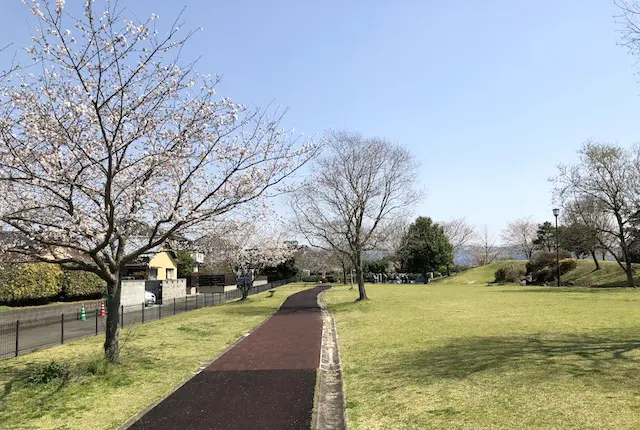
(40, 283)
(80, 284)
(32, 283)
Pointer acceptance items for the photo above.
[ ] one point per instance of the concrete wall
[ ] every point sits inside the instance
(132, 292)
(162, 261)
(173, 288)
(217, 289)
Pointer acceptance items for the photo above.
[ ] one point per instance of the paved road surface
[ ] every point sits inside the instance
(266, 381)
(49, 332)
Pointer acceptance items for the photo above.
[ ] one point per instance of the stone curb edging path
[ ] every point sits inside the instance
(266, 381)
(330, 399)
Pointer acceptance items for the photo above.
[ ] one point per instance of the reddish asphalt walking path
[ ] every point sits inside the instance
(266, 381)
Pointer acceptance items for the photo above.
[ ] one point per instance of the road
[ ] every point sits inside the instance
(39, 334)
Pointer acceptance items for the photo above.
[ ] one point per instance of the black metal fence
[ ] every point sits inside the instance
(28, 335)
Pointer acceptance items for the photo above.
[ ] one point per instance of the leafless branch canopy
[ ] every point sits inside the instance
(459, 232)
(355, 195)
(602, 190)
(520, 234)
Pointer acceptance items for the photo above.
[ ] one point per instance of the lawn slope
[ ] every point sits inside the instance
(609, 275)
(480, 275)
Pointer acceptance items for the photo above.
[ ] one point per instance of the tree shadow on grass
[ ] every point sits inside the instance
(604, 360)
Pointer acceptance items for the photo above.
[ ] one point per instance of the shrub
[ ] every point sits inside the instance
(45, 373)
(32, 283)
(567, 265)
(509, 274)
(540, 260)
(77, 284)
(542, 267)
(543, 275)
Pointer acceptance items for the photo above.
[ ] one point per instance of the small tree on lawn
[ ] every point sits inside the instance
(111, 131)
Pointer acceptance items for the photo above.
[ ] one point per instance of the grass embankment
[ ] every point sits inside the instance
(609, 275)
(480, 275)
(444, 356)
(155, 357)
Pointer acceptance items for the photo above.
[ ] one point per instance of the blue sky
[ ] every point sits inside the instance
(490, 96)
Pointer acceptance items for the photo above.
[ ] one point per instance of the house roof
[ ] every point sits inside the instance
(137, 242)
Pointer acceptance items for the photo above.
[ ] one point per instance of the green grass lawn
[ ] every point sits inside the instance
(500, 357)
(155, 357)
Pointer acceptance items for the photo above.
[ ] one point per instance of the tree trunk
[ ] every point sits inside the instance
(448, 271)
(344, 275)
(112, 332)
(595, 260)
(604, 255)
(629, 270)
(245, 287)
(625, 252)
(360, 277)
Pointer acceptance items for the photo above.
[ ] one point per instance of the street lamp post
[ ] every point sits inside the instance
(556, 212)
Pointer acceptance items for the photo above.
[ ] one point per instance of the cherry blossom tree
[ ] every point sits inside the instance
(246, 247)
(110, 130)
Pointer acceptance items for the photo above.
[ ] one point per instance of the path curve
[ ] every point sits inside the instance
(266, 381)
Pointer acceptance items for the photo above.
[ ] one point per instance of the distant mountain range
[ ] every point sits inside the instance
(465, 254)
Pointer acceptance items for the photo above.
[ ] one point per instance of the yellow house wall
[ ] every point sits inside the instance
(163, 261)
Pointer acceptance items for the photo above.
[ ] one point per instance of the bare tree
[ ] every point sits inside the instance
(629, 22)
(520, 234)
(354, 195)
(603, 190)
(459, 233)
(485, 249)
(343, 262)
(321, 260)
(582, 234)
(112, 131)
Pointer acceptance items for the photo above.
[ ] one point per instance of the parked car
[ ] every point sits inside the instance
(149, 298)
